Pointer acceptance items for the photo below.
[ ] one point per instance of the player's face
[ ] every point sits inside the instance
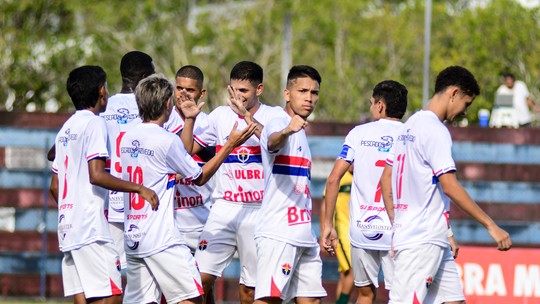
(302, 96)
(248, 93)
(190, 86)
(459, 105)
(509, 82)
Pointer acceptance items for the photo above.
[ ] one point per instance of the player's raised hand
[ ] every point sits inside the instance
(297, 123)
(501, 237)
(236, 102)
(186, 104)
(149, 196)
(329, 240)
(238, 137)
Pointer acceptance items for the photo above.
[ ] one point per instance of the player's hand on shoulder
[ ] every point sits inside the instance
(501, 237)
(235, 102)
(149, 196)
(238, 137)
(297, 123)
(186, 104)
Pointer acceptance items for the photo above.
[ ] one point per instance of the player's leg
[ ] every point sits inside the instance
(141, 286)
(446, 286)
(343, 253)
(345, 287)
(306, 285)
(247, 252)
(366, 264)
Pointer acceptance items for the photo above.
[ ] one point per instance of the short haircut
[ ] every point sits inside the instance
(247, 70)
(83, 85)
(394, 96)
(508, 74)
(457, 76)
(135, 66)
(192, 72)
(302, 71)
(152, 94)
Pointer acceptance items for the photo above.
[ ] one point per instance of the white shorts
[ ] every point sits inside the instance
(192, 240)
(117, 234)
(427, 272)
(93, 269)
(172, 272)
(366, 264)
(229, 228)
(286, 271)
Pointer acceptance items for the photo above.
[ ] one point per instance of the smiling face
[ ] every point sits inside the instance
(302, 96)
(248, 93)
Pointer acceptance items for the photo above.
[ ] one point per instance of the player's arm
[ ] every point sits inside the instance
(236, 138)
(190, 109)
(54, 187)
(534, 107)
(454, 246)
(100, 177)
(386, 190)
(237, 106)
(52, 153)
(328, 233)
(278, 139)
(460, 197)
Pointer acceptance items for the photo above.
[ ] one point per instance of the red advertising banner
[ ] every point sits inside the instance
(496, 277)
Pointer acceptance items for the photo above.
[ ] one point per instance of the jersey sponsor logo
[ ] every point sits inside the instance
(373, 227)
(292, 165)
(67, 137)
(137, 217)
(136, 150)
(298, 216)
(186, 202)
(401, 207)
(133, 236)
(245, 174)
(122, 116)
(243, 196)
(65, 206)
(383, 146)
(286, 269)
(203, 244)
(406, 137)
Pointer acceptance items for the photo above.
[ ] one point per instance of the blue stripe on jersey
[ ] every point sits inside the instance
(251, 159)
(289, 170)
(344, 152)
(171, 181)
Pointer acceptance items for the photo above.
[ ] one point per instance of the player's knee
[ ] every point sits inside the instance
(208, 281)
(247, 294)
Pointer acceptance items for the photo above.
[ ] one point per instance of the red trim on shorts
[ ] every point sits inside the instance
(274, 290)
(199, 287)
(415, 300)
(114, 289)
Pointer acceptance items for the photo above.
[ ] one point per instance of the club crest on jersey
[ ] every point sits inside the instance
(429, 280)
(243, 155)
(203, 244)
(123, 116)
(286, 268)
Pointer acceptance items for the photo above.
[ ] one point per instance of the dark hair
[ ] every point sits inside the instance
(394, 96)
(192, 72)
(152, 94)
(247, 70)
(457, 76)
(135, 66)
(508, 74)
(83, 85)
(301, 71)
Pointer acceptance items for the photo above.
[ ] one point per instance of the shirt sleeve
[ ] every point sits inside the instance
(201, 127)
(274, 125)
(209, 137)
(438, 151)
(347, 151)
(175, 123)
(181, 162)
(96, 139)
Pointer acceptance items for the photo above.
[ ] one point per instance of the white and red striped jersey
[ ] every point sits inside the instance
(151, 156)
(81, 205)
(240, 178)
(422, 153)
(285, 213)
(367, 147)
(121, 115)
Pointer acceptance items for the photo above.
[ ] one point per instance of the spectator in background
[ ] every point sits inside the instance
(522, 100)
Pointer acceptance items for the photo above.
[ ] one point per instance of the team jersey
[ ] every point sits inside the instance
(422, 153)
(191, 202)
(81, 205)
(121, 115)
(240, 178)
(151, 156)
(285, 213)
(366, 146)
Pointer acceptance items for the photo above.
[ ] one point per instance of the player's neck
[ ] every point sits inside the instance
(256, 107)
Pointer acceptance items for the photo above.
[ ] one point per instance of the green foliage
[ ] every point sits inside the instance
(353, 43)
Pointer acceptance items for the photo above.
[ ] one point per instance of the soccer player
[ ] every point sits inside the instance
(288, 262)
(239, 182)
(157, 258)
(122, 114)
(191, 202)
(366, 147)
(418, 183)
(90, 267)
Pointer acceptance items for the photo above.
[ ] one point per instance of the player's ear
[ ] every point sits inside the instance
(260, 88)
(203, 93)
(287, 95)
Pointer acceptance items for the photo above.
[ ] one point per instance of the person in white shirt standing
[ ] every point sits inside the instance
(370, 232)
(288, 262)
(521, 99)
(158, 261)
(418, 183)
(91, 265)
